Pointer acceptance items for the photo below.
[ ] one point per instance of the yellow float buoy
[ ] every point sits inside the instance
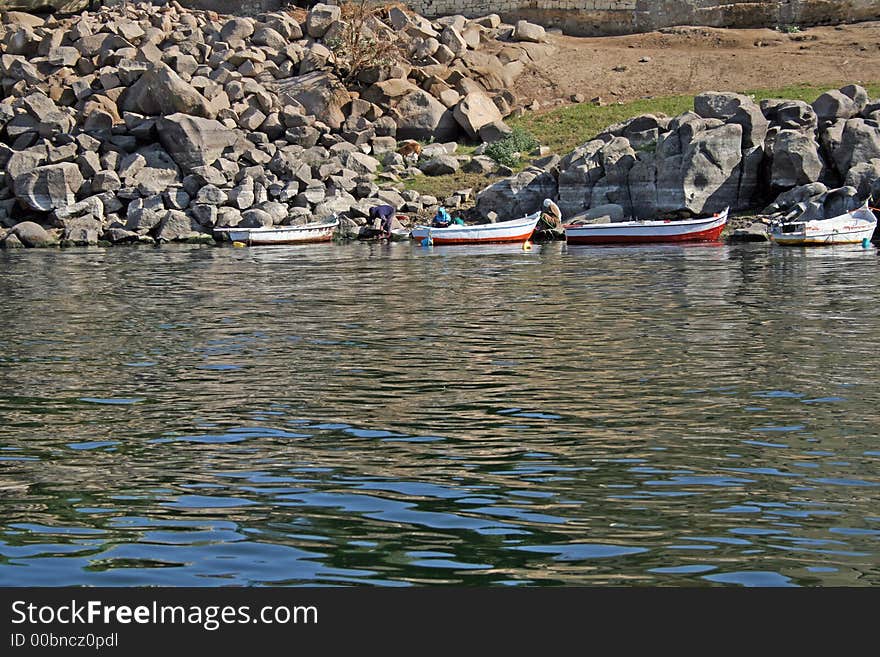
(527, 246)
(238, 245)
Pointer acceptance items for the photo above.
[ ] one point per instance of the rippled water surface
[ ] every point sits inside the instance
(392, 415)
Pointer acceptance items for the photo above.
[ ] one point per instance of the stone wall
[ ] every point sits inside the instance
(600, 17)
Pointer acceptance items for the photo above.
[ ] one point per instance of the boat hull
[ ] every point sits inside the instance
(648, 232)
(517, 230)
(306, 234)
(851, 228)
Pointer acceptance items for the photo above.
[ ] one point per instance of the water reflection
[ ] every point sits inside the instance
(394, 415)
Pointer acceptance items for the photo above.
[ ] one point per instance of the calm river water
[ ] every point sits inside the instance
(392, 415)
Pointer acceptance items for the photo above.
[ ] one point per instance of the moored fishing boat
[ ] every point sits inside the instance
(853, 227)
(515, 230)
(304, 234)
(702, 229)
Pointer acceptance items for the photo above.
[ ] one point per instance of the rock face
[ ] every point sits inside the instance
(728, 152)
(517, 195)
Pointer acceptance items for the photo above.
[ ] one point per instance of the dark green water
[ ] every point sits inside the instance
(391, 415)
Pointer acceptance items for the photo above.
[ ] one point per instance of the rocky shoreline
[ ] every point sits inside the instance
(153, 124)
(822, 159)
(144, 124)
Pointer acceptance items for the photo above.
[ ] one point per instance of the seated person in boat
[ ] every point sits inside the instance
(382, 217)
(550, 224)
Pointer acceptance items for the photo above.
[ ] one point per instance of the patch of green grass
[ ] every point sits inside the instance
(565, 128)
(443, 186)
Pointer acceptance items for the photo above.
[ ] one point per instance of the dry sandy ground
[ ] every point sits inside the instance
(687, 60)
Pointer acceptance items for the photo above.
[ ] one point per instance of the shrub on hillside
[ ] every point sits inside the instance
(507, 151)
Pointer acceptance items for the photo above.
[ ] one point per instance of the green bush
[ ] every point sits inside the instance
(506, 151)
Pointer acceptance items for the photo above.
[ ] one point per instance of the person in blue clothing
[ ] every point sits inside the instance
(442, 218)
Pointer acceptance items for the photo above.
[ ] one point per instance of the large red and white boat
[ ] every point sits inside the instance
(704, 229)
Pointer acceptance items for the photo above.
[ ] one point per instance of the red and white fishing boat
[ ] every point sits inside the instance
(850, 228)
(304, 234)
(515, 230)
(704, 229)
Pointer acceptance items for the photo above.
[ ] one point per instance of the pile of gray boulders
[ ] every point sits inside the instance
(144, 123)
(728, 152)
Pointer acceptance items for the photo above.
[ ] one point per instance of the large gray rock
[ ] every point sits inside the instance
(525, 31)
(440, 165)
(834, 105)
(175, 226)
(474, 111)
(161, 91)
(860, 142)
(193, 141)
(421, 116)
(857, 94)
(82, 231)
(320, 93)
(320, 18)
(734, 108)
(790, 114)
(236, 30)
(49, 187)
(451, 38)
(144, 214)
(32, 234)
(517, 195)
(795, 159)
(706, 176)
(862, 176)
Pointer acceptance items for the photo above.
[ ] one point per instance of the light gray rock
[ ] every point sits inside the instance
(320, 18)
(175, 226)
(82, 231)
(31, 234)
(211, 195)
(860, 142)
(834, 105)
(518, 195)
(105, 181)
(525, 31)
(474, 111)
(320, 93)
(193, 141)
(440, 165)
(423, 117)
(162, 91)
(494, 131)
(479, 164)
(49, 187)
(795, 159)
(236, 30)
(145, 214)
